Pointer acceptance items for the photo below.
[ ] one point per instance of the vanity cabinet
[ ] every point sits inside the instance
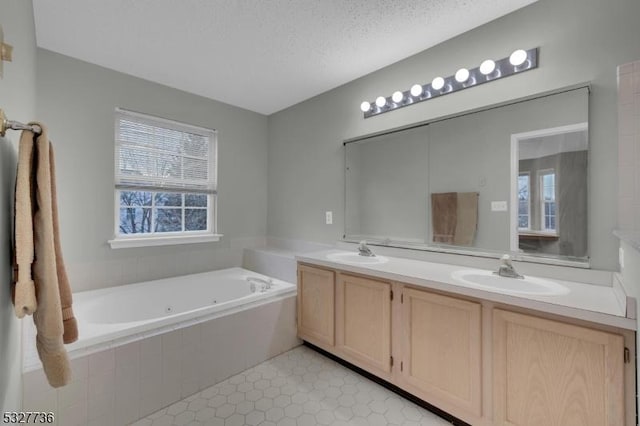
(552, 373)
(363, 322)
(316, 303)
(486, 363)
(442, 350)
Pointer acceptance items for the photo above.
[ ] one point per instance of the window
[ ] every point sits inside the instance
(524, 201)
(165, 181)
(548, 206)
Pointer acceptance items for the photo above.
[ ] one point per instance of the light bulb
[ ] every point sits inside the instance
(416, 90)
(381, 101)
(518, 57)
(437, 83)
(487, 67)
(365, 106)
(397, 97)
(462, 75)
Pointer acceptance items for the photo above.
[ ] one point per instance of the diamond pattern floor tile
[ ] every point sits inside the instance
(297, 388)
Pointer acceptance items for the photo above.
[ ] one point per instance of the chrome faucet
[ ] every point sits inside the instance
(506, 269)
(364, 250)
(263, 284)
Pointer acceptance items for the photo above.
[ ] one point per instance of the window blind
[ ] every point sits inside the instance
(156, 154)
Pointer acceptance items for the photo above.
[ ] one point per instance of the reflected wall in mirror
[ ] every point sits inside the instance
(452, 184)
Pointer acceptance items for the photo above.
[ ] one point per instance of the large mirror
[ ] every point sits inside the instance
(509, 178)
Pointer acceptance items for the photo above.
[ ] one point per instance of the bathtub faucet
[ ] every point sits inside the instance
(264, 284)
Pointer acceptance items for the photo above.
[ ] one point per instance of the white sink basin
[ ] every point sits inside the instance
(487, 280)
(356, 259)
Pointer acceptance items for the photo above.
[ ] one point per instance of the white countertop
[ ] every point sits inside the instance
(595, 303)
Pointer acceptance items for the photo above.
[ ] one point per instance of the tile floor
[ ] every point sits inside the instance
(297, 388)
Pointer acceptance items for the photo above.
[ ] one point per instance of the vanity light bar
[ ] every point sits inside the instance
(519, 61)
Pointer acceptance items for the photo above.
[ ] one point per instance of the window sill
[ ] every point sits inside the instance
(538, 235)
(118, 243)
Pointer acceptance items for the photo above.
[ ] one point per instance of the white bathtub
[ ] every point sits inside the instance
(117, 315)
(135, 355)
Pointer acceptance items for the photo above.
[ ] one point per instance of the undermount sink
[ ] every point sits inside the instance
(356, 259)
(487, 280)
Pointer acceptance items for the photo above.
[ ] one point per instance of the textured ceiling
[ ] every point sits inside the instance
(262, 55)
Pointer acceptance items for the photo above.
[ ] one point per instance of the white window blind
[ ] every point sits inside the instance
(163, 155)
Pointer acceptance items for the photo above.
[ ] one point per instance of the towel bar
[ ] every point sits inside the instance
(15, 125)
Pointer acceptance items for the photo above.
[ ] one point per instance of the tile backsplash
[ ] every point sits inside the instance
(629, 146)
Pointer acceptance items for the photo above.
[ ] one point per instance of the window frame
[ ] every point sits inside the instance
(153, 238)
(542, 202)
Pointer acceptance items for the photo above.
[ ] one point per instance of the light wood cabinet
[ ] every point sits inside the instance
(442, 350)
(316, 302)
(555, 374)
(486, 364)
(363, 322)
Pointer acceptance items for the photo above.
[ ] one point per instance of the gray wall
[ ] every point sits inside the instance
(579, 40)
(17, 98)
(77, 100)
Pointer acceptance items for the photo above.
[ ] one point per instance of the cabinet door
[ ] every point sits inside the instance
(441, 350)
(316, 305)
(555, 374)
(363, 321)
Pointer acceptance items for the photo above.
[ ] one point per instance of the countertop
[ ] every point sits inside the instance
(595, 303)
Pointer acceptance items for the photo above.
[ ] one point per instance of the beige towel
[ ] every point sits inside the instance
(444, 216)
(466, 218)
(24, 292)
(68, 319)
(52, 290)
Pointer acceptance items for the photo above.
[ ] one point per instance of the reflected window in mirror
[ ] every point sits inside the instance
(524, 202)
(548, 200)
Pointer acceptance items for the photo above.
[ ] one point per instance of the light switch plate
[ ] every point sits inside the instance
(621, 257)
(329, 217)
(498, 206)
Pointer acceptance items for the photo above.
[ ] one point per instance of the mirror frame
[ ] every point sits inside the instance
(524, 257)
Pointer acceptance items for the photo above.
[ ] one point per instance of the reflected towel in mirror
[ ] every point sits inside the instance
(454, 217)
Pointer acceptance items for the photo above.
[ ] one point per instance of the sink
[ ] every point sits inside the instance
(487, 280)
(356, 259)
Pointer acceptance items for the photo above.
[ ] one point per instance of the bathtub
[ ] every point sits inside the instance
(110, 314)
(147, 345)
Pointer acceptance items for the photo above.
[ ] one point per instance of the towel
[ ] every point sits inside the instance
(444, 216)
(454, 217)
(24, 292)
(466, 218)
(49, 298)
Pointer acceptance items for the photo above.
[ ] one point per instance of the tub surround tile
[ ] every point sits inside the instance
(625, 69)
(152, 401)
(629, 146)
(79, 368)
(74, 415)
(118, 386)
(35, 380)
(40, 399)
(101, 395)
(73, 393)
(102, 362)
(625, 87)
(127, 384)
(152, 263)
